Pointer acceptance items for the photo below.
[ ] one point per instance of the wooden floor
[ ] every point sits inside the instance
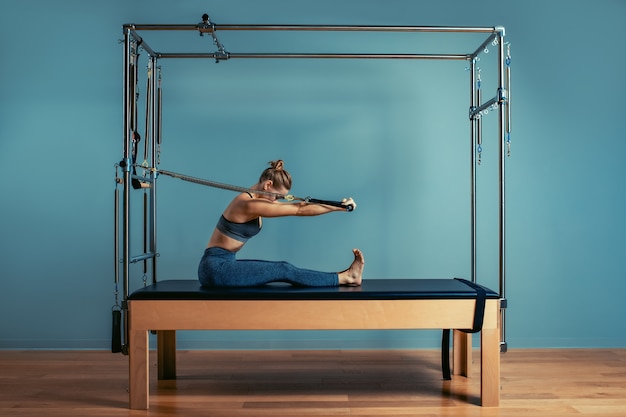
(320, 383)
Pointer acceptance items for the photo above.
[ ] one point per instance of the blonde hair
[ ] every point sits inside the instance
(277, 174)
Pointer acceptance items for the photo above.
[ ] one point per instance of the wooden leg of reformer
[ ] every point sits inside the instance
(462, 353)
(166, 354)
(490, 367)
(138, 380)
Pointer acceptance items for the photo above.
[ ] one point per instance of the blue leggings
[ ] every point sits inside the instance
(220, 268)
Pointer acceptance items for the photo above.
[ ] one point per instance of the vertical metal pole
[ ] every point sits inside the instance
(503, 94)
(478, 123)
(473, 104)
(154, 120)
(146, 153)
(126, 162)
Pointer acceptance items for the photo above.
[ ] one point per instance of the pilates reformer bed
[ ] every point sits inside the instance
(378, 304)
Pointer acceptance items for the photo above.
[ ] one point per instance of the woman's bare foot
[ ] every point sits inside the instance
(354, 274)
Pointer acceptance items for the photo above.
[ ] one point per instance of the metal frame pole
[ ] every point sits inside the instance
(228, 55)
(126, 167)
(473, 139)
(347, 28)
(322, 28)
(503, 104)
(154, 111)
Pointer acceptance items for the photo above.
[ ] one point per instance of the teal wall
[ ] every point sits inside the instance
(393, 135)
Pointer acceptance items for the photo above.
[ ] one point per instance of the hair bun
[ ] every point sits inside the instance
(277, 174)
(278, 164)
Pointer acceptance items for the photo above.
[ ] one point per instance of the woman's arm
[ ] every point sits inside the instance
(265, 208)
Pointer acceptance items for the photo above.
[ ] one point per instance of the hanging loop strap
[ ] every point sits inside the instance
(479, 309)
(477, 325)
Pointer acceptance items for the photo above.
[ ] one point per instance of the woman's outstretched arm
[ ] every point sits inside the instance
(265, 208)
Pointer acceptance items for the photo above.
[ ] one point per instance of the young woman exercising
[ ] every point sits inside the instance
(242, 220)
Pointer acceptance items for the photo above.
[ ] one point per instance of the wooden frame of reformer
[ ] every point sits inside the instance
(132, 41)
(168, 316)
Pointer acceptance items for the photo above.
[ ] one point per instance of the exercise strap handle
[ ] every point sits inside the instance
(348, 207)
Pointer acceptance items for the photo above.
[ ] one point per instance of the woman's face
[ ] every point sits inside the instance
(281, 191)
(270, 187)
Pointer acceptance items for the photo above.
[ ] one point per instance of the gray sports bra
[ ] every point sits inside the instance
(239, 231)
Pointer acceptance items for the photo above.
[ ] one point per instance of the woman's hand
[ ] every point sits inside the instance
(349, 203)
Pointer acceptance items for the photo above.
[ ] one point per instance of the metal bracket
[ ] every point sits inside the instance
(502, 95)
(221, 56)
(208, 26)
(472, 112)
(205, 24)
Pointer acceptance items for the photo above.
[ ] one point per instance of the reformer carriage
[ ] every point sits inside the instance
(165, 306)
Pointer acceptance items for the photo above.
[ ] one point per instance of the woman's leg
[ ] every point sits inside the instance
(220, 268)
(244, 273)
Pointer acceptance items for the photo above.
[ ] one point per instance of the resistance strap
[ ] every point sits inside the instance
(479, 310)
(477, 325)
(223, 186)
(116, 334)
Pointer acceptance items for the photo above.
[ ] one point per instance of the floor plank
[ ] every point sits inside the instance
(550, 382)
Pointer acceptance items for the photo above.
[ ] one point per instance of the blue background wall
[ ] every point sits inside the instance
(393, 135)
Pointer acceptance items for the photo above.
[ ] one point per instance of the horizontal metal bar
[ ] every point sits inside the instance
(353, 28)
(160, 26)
(349, 56)
(330, 28)
(482, 107)
(315, 55)
(143, 257)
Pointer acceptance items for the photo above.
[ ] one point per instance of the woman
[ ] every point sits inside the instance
(242, 219)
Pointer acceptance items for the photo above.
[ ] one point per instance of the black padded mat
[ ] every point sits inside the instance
(371, 289)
